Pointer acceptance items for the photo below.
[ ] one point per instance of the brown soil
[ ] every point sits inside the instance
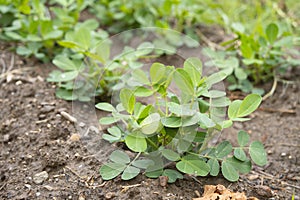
(35, 137)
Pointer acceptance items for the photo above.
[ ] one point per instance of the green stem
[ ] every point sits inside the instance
(152, 143)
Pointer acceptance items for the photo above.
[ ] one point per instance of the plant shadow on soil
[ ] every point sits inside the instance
(35, 137)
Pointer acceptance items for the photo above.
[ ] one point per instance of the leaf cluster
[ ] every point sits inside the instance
(178, 129)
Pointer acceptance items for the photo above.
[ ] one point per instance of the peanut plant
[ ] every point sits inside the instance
(177, 129)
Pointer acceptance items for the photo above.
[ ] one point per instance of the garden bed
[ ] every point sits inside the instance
(35, 137)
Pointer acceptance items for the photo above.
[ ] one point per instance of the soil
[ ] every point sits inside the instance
(35, 137)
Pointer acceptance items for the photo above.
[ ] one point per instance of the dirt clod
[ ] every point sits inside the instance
(39, 178)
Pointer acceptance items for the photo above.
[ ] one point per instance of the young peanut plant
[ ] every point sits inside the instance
(177, 129)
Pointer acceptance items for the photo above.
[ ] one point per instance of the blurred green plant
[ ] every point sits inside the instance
(177, 128)
(37, 25)
(251, 59)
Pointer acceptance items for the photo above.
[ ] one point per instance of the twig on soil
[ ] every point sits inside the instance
(211, 44)
(271, 177)
(68, 117)
(126, 187)
(74, 172)
(4, 184)
(271, 92)
(283, 144)
(277, 110)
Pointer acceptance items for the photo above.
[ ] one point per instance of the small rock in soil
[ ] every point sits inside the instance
(75, 137)
(110, 195)
(163, 181)
(47, 109)
(39, 178)
(264, 191)
(6, 138)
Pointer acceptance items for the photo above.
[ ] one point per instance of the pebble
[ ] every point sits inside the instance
(75, 137)
(264, 191)
(6, 138)
(253, 177)
(81, 124)
(68, 116)
(38, 194)
(109, 195)
(163, 181)
(27, 186)
(47, 108)
(39, 178)
(283, 154)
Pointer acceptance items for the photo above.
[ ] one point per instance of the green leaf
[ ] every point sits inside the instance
(243, 138)
(241, 166)
(170, 155)
(127, 99)
(144, 49)
(229, 172)
(153, 171)
(214, 166)
(196, 167)
(215, 78)
(206, 121)
(181, 110)
(258, 153)
(193, 67)
(214, 94)
(143, 164)
(142, 92)
(150, 124)
(183, 81)
(136, 143)
(249, 105)
(23, 51)
(173, 175)
(108, 120)
(223, 149)
(65, 76)
(272, 32)
(191, 120)
(119, 157)
(246, 50)
(171, 122)
(83, 38)
(105, 106)
(240, 73)
(240, 154)
(65, 94)
(68, 44)
(111, 170)
(140, 76)
(115, 134)
(130, 172)
(234, 108)
(157, 72)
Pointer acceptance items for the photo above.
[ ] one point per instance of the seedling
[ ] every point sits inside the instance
(177, 128)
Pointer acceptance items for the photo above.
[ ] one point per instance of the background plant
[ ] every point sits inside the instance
(177, 128)
(249, 60)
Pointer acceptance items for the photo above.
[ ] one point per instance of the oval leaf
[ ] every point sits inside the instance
(184, 82)
(119, 157)
(258, 153)
(150, 124)
(249, 105)
(229, 172)
(105, 106)
(136, 143)
(130, 172)
(272, 32)
(111, 170)
(170, 155)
